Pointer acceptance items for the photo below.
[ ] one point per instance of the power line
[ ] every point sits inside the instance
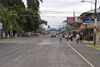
(60, 11)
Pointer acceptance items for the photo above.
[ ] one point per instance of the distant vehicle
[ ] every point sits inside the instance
(35, 34)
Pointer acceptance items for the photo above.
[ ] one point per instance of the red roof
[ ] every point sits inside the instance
(70, 19)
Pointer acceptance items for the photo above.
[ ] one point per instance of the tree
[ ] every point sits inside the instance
(32, 20)
(48, 26)
(14, 17)
(34, 4)
(43, 22)
(5, 18)
(6, 3)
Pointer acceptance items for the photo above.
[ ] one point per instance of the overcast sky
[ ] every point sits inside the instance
(56, 11)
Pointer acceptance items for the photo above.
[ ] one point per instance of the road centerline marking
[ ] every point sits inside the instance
(29, 50)
(35, 46)
(80, 55)
(18, 58)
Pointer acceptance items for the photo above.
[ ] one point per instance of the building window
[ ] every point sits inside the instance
(98, 17)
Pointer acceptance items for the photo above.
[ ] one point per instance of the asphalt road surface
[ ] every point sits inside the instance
(47, 52)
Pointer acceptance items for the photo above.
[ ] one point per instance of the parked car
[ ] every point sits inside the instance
(33, 34)
(37, 34)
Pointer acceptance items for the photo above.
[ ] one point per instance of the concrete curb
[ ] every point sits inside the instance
(92, 47)
(11, 39)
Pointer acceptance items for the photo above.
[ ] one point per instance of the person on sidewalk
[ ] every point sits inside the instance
(98, 37)
(81, 37)
(60, 38)
(77, 37)
(71, 36)
(67, 36)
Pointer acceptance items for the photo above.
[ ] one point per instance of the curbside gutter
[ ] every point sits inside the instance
(92, 47)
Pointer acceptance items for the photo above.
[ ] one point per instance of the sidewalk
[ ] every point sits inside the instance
(8, 39)
(89, 42)
(84, 41)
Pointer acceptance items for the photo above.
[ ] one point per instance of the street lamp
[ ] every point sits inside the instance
(95, 24)
(87, 1)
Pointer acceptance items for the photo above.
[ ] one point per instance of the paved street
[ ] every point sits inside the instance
(47, 52)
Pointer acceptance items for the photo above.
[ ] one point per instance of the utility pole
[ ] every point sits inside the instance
(74, 19)
(74, 23)
(95, 24)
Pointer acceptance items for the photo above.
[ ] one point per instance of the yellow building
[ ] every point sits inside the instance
(90, 14)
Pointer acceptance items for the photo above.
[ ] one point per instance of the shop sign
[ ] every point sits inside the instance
(73, 28)
(83, 25)
(88, 20)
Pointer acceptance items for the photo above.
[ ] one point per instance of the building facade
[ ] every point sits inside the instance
(91, 14)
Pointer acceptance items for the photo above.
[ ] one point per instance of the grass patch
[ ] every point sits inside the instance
(95, 46)
(1, 38)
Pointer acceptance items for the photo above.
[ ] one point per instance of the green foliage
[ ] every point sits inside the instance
(34, 4)
(5, 18)
(43, 22)
(14, 13)
(48, 26)
(12, 3)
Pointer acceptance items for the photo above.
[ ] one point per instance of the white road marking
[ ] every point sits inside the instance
(80, 55)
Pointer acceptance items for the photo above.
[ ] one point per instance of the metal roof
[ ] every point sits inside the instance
(92, 11)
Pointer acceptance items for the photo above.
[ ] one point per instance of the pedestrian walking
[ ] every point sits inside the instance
(98, 37)
(81, 37)
(65, 36)
(77, 37)
(71, 36)
(68, 36)
(60, 38)
(52, 35)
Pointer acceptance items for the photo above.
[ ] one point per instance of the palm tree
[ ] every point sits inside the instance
(5, 18)
(14, 24)
(5, 2)
(34, 4)
(9, 19)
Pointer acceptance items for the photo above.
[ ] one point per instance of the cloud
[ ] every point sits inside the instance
(60, 9)
(25, 2)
